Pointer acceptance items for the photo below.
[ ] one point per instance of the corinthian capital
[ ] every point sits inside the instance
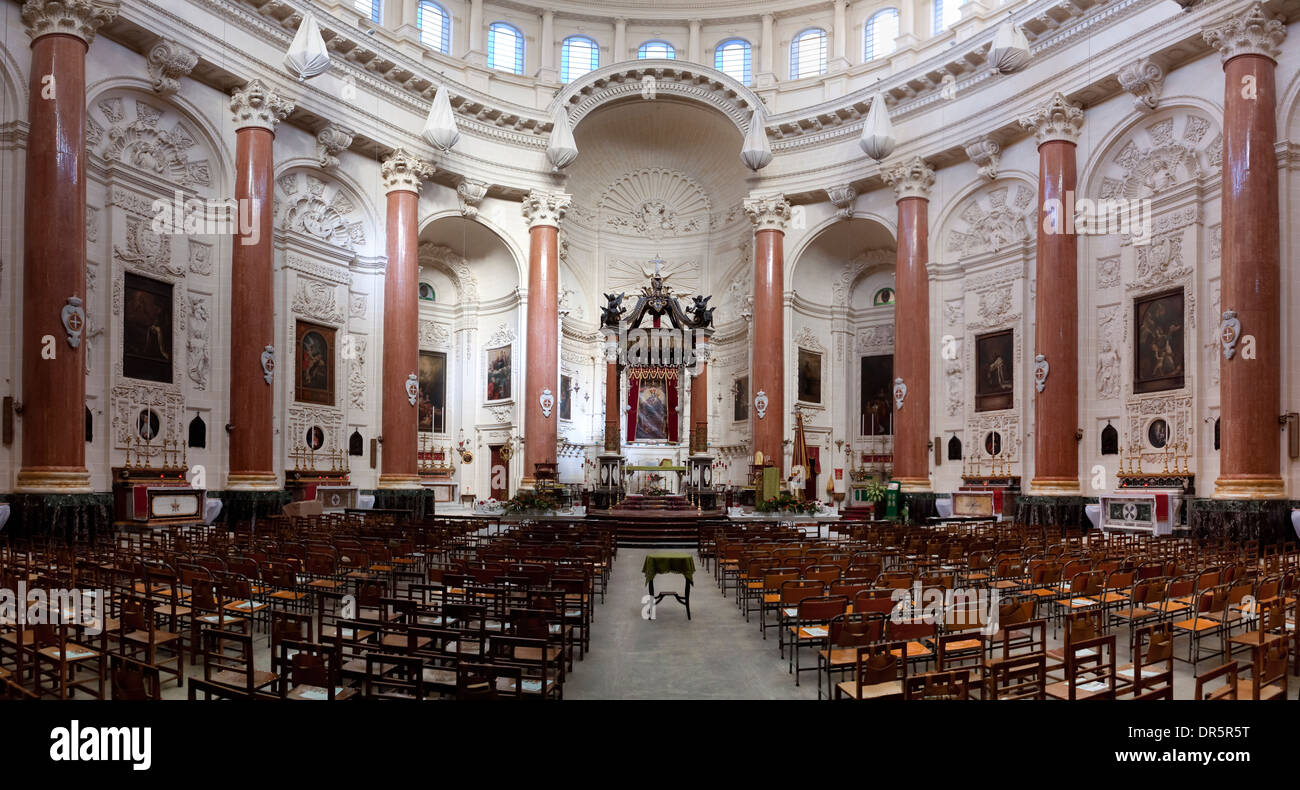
(1252, 31)
(80, 18)
(912, 178)
(545, 208)
(1055, 119)
(402, 170)
(257, 106)
(768, 212)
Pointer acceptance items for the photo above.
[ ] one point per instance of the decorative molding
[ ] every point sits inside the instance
(842, 197)
(257, 106)
(434, 335)
(304, 417)
(198, 354)
(470, 194)
(954, 312)
(502, 336)
(80, 18)
(144, 143)
(768, 212)
(147, 250)
(1247, 32)
(1145, 79)
(1152, 161)
(308, 212)
(1056, 119)
(986, 153)
(1109, 335)
(127, 400)
(654, 203)
(954, 379)
(168, 62)
(864, 263)
(332, 140)
(995, 226)
(913, 178)
(404, 171)
(334, 274)
(357, 382)
(1108, 271)
(807, 339)
(453, 264)
(318, 301)
(358, 305)
(878, 339)
(1160, 262)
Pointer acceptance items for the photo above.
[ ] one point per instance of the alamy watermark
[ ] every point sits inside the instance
(666, 346)
(202, 217)
(1104, 217)
(41, 606)
(947, 607)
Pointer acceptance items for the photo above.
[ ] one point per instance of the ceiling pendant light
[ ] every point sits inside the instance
(756, 151)
(563, 149)
(877, 140)
(440, 127)
(1010, 49)
(307, 56)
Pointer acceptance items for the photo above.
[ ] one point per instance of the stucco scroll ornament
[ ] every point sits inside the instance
(268, 363)
(74, 320)
(412, 388)
(1229, 333)
(760, 403)
(1041, 369)
(900, 393)
(547, 401)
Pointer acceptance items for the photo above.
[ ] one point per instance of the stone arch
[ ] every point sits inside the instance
(1183, 134)
(517, 253)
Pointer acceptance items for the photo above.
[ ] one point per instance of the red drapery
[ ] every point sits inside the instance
(633, 390)
(672, 417)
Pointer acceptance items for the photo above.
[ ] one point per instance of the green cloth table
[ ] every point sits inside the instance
(684, 564)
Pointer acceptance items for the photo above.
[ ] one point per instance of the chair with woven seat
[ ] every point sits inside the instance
(393, 678)
(880, 672)
(1018, 677)
(846, 633)
(488, 681)
(952, 684)
(812, 627)
(1152, 667)
(1089, 670)
(1268, 673)
(310, 671)
(139, 636)
(228, 661)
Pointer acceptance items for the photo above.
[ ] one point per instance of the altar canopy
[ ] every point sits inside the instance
(652, 400)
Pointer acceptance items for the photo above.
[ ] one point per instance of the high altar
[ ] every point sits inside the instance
(654, 354)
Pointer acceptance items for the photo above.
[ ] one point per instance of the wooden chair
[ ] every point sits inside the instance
(531, 657)
(1228, 673)
(812, 627)
(1089, 670)
(310, 671)
(879, 673)
(942, 685)
(846, 633)
(130, 679)
(1018, 677)
(393, 677)
(138, 636)
(228, 661)
(488, 681)
(75, 662)
(1268, 673)
(1152, 667)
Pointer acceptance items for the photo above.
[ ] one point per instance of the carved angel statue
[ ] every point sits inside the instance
(702, 314)
(613, 311)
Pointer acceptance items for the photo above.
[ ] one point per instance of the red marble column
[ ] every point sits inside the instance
(399, 424)
(612, 403)
(543, 211)
(912, 182)
(54, 254)
(1055, 367)
(700, 409)
(1250, 389)
(253, 357)
(767, 370)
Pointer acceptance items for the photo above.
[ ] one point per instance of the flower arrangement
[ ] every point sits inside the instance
(528, 501)
(785, 502)
(875, 491)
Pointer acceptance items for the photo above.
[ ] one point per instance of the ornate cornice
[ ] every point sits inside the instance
(913, 178)
(1057, 119)
(1249, 32)
(545, 208)
(80, 18)
(257, 106)
(768, 212)
(168, 62)
(401, 170)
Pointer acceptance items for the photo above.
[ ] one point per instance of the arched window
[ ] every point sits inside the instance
(946, 14)
(885, 296)
(808, 54)
(880, 34)
(954, 449)
(578, 55)
(435, 25)
(656, 50)
(371, 8)
(734, 57)
(1109, 440)
(505, 48)
(427, 294)
(198, 433)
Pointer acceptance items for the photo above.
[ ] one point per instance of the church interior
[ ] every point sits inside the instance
(400, 349)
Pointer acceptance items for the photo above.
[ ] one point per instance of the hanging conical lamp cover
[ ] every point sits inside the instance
(1010, 50)
(756, 152)
(307, 56)
(440, 127)
(563, 149)
(877, 138)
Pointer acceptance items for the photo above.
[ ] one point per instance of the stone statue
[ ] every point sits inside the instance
(613, 311)
(703, 315)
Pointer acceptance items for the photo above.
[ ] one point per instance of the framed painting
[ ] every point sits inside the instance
(877, 396)
(498, 373)
(810, 376)
(652, 412)
(995, 379)
(315, 364)
(740, 409)
(566, 401)
(1158, 362)
(433, 392)
(147, 329)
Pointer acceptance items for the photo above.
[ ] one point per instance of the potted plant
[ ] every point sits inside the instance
(532, 503)
(785, 502)
(875, 493)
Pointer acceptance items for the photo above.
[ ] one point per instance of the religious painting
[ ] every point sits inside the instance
(877, 399)
(433, 392)
(498, 373)
(566, 402)
(995, 356)
(652, 412)
(1158, 434)
(1158, 342)
(147, 329)
(315, 362)
(740, 408)
(810, 376)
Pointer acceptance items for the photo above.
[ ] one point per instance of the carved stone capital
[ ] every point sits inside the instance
(80, 18)
(330, 142)
(1145, 79)
(401, 170)
(545, 208)
(986, 154)
(168, 62)
(470, 194)
(913, 178)
(257, 106)
(842, 197)
(1055, 119)
(1251, 31)
(768, 212)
